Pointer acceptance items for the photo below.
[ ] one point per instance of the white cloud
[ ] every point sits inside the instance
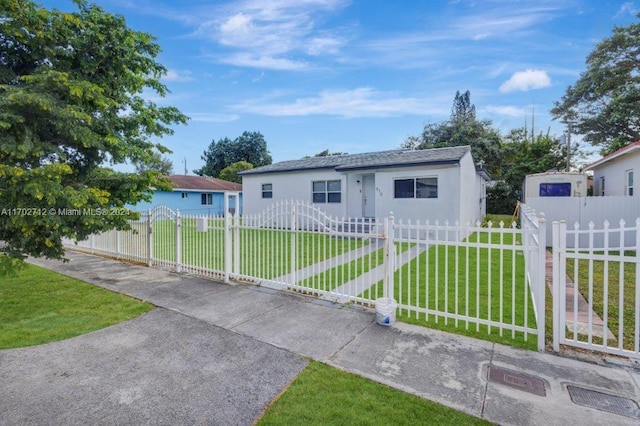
(275, 34)
(627, 8)
(507, 110)
(180, 76)
(212, 117)
(245, 59)
(526, 80)
(355, 103)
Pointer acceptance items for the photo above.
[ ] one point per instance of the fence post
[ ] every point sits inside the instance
(389, 257)
(293, 227)
(227, 240)
(178, 241)
(559, 245)
(150, 238)
(117, 244)
(236, 234)
(542, 282)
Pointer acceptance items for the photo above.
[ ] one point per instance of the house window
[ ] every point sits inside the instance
(562, 189)
(185, 194)
(267, 190)
(602, 185)
(207, 199)
(629, 182)
(327, 191)
(416, 188)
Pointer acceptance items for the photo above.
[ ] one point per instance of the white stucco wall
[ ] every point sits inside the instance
(290, 186)
(615, 175)
(470, 191)
(446, 206)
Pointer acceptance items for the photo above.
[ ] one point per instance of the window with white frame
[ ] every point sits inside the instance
(327, 191)
(630, 182)
(207, 199)
(602, 185)
(185, 195)
(426, 187)
(267, 190)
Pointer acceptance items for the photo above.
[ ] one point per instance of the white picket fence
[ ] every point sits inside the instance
(596, 287)
(487, 279)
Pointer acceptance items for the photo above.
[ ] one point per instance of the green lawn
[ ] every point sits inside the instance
(440, 274)
(608, 275)
(322, 395)
(39, 306)
(264, 253)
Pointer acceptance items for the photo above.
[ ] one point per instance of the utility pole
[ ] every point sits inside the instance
(185, 166)
(568, 147)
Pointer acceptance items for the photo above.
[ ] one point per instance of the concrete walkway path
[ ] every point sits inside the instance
(487, 380)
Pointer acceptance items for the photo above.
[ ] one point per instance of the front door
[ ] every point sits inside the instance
(368, 195)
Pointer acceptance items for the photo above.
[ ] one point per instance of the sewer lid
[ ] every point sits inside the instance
(604, 402)
(516, 380)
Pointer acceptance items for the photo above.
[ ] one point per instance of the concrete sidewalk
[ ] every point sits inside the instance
(525, 387)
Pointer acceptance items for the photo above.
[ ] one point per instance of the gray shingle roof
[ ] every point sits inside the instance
(369, 160)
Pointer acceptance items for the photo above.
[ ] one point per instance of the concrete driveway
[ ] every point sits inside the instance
(162, 368)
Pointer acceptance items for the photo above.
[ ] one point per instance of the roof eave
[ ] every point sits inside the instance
(396, 165)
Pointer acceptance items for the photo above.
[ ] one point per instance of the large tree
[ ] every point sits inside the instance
(157, 163)
(604, 104)
(463, 128)
(250, 147)
(71, 103)
(230, 173)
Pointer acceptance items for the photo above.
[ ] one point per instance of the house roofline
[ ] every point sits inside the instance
(296, 169)
(622, 151)
(395, 166)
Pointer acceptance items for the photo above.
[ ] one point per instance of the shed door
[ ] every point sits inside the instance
(368, 196)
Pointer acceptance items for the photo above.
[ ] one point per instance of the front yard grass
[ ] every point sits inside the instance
(435, 281)
(612, 281)
(40, 306)
(322, 395)
(264, 253)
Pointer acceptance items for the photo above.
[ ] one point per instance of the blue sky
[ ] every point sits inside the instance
(360, 76)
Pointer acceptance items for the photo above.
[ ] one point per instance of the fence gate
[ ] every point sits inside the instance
(596, 288)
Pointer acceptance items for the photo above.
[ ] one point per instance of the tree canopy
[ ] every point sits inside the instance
(463, 128)
(230, 173)
(157, 163)
(71, 102)
(604, 104)
(250, 147)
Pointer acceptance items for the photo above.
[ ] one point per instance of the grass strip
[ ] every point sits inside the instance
(40, 306)
(322, 395)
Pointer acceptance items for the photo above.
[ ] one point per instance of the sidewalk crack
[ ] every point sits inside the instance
(486, 386)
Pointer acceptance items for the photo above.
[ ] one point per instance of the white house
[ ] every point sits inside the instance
(434, 184)
(614, 173)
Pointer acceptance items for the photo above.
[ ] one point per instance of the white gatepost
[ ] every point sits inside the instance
(150, 238)
(117, 244)
(541, 285)
(178, 242)
(293, 225)
(389, 254)
(227, 241)
(559, 281)
(236, 233)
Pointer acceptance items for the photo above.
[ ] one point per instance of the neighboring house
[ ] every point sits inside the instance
(434, 184)
(614, 174)
(195, 195)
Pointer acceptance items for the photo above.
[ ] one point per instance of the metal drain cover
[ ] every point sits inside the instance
(604, 402)
(516, 380)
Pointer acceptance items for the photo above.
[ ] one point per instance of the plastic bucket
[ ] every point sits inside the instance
(386, 311)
